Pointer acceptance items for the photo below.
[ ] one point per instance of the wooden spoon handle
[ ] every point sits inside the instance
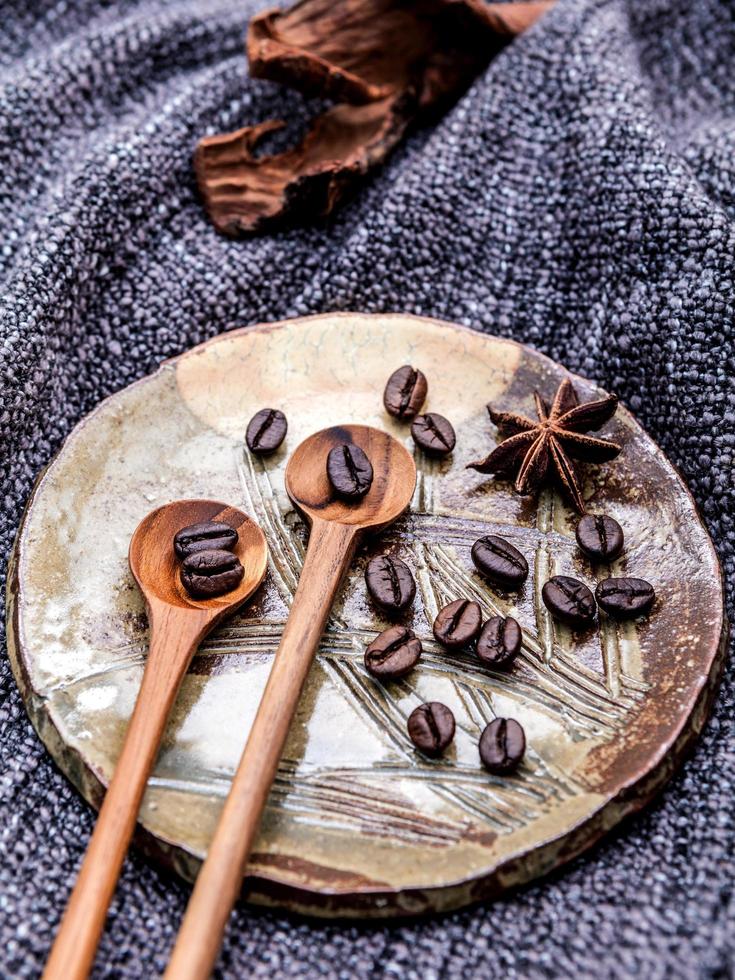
(331, 547)
(76, 942)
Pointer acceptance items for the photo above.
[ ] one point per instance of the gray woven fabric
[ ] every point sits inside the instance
(580, 197)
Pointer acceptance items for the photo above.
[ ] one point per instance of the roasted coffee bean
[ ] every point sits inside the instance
(431, 727)
(434, 434)
(499, 642)
(502, 746)
(390, 583)
(625, 598)
(569, 600)
(266, 431)
(393, 653)
(500, 562)
(458, 623)
(209, 573)
(600, 537)
(207, 536)
(405, 392)
(349, 471)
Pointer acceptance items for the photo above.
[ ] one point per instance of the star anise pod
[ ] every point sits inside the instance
(536, 452)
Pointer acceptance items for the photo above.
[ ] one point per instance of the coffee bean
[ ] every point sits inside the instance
(210, 573)
(600, 537)
(500, 562)
(458, 623)
(349, 471)
(502, 746)
(393, 653)
(390, 583)
(434, 434)
(431, 727)
(405, 392)
(625, 598)
(569, 600)
(207, 536)
(266, 431)
(499, 642)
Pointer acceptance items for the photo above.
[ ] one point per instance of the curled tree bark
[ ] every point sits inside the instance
(385, 63)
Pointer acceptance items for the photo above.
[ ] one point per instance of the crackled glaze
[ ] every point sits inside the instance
(357, 822)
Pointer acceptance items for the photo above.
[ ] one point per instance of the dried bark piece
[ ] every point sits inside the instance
(365, 50)
(244, 193)
(385, 61)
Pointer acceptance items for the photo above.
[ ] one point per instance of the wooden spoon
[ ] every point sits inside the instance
(178, 624)
(336, 529)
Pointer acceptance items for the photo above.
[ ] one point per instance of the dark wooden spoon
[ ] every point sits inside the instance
(336, 528)
(178, 624)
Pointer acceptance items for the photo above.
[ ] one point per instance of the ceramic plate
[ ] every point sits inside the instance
(357, 822)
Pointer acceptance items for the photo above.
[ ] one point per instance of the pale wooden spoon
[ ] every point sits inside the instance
(336, 529)
(178, 624)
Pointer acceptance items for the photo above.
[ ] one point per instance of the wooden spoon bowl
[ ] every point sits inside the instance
(394, 480)
(157, 570)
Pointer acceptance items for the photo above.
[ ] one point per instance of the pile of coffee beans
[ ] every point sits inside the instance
(208, 566)
(397, 650)
(405, 393)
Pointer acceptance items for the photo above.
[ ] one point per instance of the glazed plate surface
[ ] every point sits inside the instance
(357, 823)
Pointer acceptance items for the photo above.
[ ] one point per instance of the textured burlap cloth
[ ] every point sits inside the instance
(580, 197)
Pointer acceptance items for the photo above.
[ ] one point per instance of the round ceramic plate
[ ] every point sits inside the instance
(357, 822)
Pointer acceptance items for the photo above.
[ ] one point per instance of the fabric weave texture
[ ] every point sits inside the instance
(580, 197)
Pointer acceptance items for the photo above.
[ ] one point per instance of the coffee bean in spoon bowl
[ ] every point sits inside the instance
(206, 574)
(350, 471)
(206, 536)
(431, 727)
(499, 642)
(405, 392)
(500, 562)
(569, 601)
(625, 598)
(600, 537)
(266, 431)
(502, 746)
(390, 583)
(458, 623)
(433, 434)
(393, 654)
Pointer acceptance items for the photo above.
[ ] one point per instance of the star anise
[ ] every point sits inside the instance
(537, 452)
